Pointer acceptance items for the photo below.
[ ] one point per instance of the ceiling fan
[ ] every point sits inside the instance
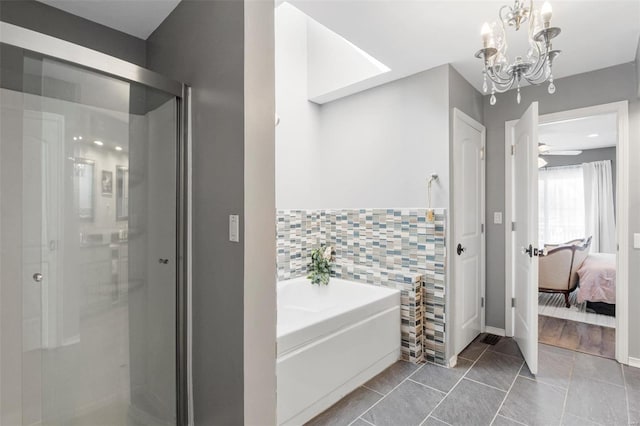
(544, 150)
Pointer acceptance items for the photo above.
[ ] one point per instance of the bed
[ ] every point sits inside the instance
(597, 283)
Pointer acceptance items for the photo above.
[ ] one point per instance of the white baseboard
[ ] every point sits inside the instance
(634, 362)
(495, 330)
(453, 361)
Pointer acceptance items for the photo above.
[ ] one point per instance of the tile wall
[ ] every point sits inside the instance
(399, 248)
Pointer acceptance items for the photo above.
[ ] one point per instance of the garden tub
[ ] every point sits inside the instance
(331, 339)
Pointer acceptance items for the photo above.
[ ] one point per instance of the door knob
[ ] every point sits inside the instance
(459, 249)
(163, 261)
(531, 251)
(37, 277)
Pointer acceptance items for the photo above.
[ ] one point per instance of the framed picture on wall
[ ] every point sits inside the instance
(106, 183)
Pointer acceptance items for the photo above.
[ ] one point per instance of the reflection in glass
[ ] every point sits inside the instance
(95, 340)
(84, 171)
(122, 193)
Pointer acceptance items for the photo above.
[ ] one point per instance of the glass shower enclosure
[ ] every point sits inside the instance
(92, 288)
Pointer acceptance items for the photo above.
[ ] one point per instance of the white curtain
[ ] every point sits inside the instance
(598, 201)
(561, 214)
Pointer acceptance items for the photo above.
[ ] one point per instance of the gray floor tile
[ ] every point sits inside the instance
(503, 421)
(554, 368)
(441, 378)
(408, 404)
(571, 420)
(595, 367)
(632, 377)
(474, 350)
(391, 377)
(432, 421)
(634, 417)
(348, 408)
(598, 401)
(495, 369)
(555, 349)
(633, 398)
(508, 346)
(470, 403)
(534, 403)
(360, 422)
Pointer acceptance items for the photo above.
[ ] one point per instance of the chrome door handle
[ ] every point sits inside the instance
(37, 277)
(532, 251)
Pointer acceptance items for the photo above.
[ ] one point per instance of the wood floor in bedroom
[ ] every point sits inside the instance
(577, 336)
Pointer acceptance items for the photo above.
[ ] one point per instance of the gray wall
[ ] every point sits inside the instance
(593, 88)
(202, 43)
(463, 96)
(57, 23)
(638, 67)
(587, 156)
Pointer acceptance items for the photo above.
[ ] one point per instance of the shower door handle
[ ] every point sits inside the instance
(37, 277)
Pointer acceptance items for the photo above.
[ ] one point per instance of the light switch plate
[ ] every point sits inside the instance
(497, 218)
(234, 228)
(636, 241)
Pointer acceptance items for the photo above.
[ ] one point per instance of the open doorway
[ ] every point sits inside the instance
(522, 178)
(577, 229)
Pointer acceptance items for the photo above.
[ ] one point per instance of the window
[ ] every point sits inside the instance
(561, 204)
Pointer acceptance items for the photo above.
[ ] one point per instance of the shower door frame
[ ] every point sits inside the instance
(102, 63)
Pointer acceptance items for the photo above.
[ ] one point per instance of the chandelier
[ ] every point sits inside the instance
(535, 67)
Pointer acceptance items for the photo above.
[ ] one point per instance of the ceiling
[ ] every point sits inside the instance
(411, 36)
(138, 18)
(597, 131)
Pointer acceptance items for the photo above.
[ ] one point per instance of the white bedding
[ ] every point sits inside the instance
(598, 278)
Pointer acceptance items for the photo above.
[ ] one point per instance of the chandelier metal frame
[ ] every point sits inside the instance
(536, 67)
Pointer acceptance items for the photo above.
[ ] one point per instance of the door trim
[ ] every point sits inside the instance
(621, 109)
(461, 116)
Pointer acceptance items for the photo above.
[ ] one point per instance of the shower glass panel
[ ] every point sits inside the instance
(88, 184)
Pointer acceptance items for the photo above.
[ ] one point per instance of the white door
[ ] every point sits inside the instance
(468, 232)
(525, 196)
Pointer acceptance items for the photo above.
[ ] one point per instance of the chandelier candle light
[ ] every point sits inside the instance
(535, 67)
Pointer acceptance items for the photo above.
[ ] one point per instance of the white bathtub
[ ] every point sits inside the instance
(331, 339)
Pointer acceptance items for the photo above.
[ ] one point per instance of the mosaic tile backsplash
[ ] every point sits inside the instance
(396, 248)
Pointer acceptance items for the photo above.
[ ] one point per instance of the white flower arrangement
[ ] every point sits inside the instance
(320, 266)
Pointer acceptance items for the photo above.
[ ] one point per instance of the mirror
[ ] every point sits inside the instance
(84, 172)
(122, 193)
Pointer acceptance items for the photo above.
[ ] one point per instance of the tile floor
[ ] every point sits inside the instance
(491, 385)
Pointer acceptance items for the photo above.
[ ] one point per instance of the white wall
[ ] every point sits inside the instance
(371, 149)
(335, 63)
(259, 216)
(378, 147)
(299, 118)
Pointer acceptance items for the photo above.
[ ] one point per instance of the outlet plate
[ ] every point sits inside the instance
(497, 218)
